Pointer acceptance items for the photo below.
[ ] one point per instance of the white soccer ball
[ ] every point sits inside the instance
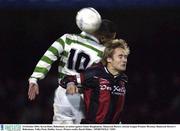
(88, 20)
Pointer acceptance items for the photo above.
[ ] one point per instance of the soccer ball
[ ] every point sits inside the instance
(88, 20)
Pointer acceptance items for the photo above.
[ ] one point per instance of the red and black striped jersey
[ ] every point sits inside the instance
(104, 95)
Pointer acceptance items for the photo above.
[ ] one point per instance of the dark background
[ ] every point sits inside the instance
(151, 29)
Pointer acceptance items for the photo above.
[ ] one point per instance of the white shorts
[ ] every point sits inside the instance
(68, 109)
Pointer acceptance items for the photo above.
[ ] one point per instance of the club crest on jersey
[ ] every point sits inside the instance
(122, 83)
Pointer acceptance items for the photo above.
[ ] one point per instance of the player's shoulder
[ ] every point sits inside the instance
(96, 67)
(68, 35)
(124, 77)
(72, 37)
(68, 38)
(94, 70)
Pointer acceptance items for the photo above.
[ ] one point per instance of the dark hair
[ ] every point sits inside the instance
(107, 27)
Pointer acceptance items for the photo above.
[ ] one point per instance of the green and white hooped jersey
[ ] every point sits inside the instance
(75, 53)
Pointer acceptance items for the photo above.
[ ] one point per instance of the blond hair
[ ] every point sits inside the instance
(111, 46)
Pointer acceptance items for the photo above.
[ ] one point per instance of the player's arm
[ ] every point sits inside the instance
(88, 78)
(69, 82)
(85, 79)
(44, 65)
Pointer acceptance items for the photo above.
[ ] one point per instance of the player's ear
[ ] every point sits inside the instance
(102, 39)
(109, 60)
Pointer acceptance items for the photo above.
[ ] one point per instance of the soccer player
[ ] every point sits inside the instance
(104, 85)
(75, 52)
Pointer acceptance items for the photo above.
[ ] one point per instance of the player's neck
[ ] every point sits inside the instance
(113, 71)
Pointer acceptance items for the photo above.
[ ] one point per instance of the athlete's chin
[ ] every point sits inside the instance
(122, 68)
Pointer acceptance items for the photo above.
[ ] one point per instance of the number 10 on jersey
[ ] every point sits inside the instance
(78, 60)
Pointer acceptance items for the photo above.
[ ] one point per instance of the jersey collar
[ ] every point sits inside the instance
(107, 71)
(89, 36)
(121, 75)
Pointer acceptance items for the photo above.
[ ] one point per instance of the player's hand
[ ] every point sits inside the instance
(71, 88)
(33, 91)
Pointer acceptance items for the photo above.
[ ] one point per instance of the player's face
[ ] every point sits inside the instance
(119, 60)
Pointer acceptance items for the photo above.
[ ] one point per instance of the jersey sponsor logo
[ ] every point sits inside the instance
(120, 89)
(116, 89)
(104, 84)
(105, 87)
